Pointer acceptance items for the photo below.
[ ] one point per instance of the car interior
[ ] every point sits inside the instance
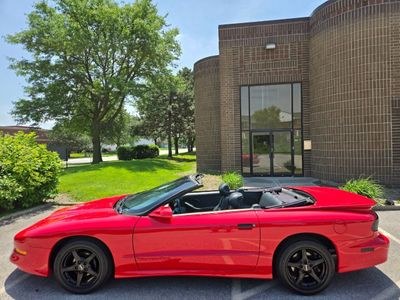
(227, 199)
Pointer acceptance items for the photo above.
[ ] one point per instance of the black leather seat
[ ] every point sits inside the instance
(268, 200)
(235, 201)
(224, 191)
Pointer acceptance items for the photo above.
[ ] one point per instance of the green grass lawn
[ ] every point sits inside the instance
(88, 182)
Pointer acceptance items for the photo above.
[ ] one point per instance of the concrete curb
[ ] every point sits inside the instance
(386, 207)
(66, 203)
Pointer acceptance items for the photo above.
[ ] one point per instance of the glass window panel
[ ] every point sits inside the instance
(244, 100)
(270, 106)
(245, 153)
(283, 153)
(297, 105)
(298, 155)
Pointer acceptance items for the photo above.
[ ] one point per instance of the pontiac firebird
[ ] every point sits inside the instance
(301, 235)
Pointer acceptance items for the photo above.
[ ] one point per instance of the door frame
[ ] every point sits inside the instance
(249, 130)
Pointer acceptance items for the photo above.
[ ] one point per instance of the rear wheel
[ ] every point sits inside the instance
(306, 267)
(82, 266)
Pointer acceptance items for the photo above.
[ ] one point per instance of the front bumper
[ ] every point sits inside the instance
(362, 254)
(34, 262)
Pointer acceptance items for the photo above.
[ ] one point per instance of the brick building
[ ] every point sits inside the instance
(316, 96)
(42, 134)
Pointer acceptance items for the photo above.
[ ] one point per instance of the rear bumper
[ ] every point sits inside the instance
(362, 254)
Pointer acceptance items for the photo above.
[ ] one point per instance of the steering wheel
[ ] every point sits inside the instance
(176, 206)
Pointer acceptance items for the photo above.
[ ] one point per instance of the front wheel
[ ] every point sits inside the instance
(82, 266)
(306, 267)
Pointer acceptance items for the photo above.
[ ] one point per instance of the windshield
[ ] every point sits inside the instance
(144, 201)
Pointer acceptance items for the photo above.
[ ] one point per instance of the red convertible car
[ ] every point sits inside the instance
(301, 235)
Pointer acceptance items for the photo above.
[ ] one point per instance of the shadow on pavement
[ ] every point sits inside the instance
(7, 221)
(366, 284)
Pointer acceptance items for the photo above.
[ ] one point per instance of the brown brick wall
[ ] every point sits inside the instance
(351, 90)
(207, 114)
(395, 85)
(245, 61)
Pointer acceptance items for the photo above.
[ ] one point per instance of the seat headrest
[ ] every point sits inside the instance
(224, 189)
(268, 199)
(235, 200)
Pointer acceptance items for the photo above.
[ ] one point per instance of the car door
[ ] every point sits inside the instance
(212, 242)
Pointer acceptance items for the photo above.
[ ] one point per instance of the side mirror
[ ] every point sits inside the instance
(162, 212)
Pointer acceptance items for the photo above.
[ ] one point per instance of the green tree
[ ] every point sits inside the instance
(148, 129)
(62, 134)
(89, 57)
(156, 108)
(166, 109)
(120, 131)
(186, 112)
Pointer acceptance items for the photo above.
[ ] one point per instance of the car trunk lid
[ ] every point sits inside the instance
(331, 198)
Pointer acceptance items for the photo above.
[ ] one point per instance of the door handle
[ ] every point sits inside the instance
(246, 226)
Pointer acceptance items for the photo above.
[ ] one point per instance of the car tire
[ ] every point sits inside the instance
(82, 266)
(306, 267)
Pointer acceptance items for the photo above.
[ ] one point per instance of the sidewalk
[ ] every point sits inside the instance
(88, 160)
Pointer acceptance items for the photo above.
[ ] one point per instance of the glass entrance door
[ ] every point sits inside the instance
(272, 153)
(262, 151)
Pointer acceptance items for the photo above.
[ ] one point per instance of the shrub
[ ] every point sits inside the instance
(28, 171)
(125, 153)
(145, 151)
(233, 179)
(288, 165)
(365, 187)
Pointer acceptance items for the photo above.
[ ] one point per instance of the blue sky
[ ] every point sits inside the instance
(197, 21)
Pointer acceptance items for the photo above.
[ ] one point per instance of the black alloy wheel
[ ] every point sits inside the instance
(82, 266)
(306, 266)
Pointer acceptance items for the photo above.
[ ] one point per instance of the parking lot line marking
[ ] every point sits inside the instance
(238, 294)
(390, 236)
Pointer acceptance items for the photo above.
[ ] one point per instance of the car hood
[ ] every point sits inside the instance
(331, 198)
(95, 207)
(74, 217)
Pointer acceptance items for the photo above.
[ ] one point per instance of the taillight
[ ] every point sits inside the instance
(375, 225)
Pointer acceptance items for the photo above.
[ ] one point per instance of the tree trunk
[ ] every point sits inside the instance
(176, 142)
(188, 147)
(170, 128)
(96, 145)
(169, 145)
(192, 144)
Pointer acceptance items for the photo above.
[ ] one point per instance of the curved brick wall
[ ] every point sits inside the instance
(207, 114)
(354, 90)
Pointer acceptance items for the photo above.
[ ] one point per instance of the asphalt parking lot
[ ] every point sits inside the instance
(382, 282)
